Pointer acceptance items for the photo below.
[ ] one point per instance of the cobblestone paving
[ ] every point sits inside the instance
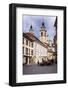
(36, 69)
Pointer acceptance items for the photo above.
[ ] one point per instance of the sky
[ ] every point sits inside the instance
(36, 22)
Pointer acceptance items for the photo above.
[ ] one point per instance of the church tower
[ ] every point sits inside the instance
(43, 33)
(31, 30)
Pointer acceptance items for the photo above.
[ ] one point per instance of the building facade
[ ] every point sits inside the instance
(50, 53)
(33, 49)
(40, 51)
(27, 49)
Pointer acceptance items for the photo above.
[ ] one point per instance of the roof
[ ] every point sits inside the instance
(28, 37)
(33, 38)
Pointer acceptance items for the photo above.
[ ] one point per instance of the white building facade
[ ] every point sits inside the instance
(33, 49)
(40, 51)
(27, 50)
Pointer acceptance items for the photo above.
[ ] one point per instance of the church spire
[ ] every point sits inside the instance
(43, 24)
(31, 30)
(31, 27)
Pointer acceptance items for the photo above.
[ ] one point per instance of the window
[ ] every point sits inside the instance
(31, 52)
(26, 42)
(32, 44)
(29, 43)
(26, 51)
(41, 33)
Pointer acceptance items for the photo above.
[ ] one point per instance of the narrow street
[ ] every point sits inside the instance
(36, 69)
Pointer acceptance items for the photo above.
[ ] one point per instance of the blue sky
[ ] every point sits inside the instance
(36, 22)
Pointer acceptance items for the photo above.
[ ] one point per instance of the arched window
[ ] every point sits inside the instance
(41, 33)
